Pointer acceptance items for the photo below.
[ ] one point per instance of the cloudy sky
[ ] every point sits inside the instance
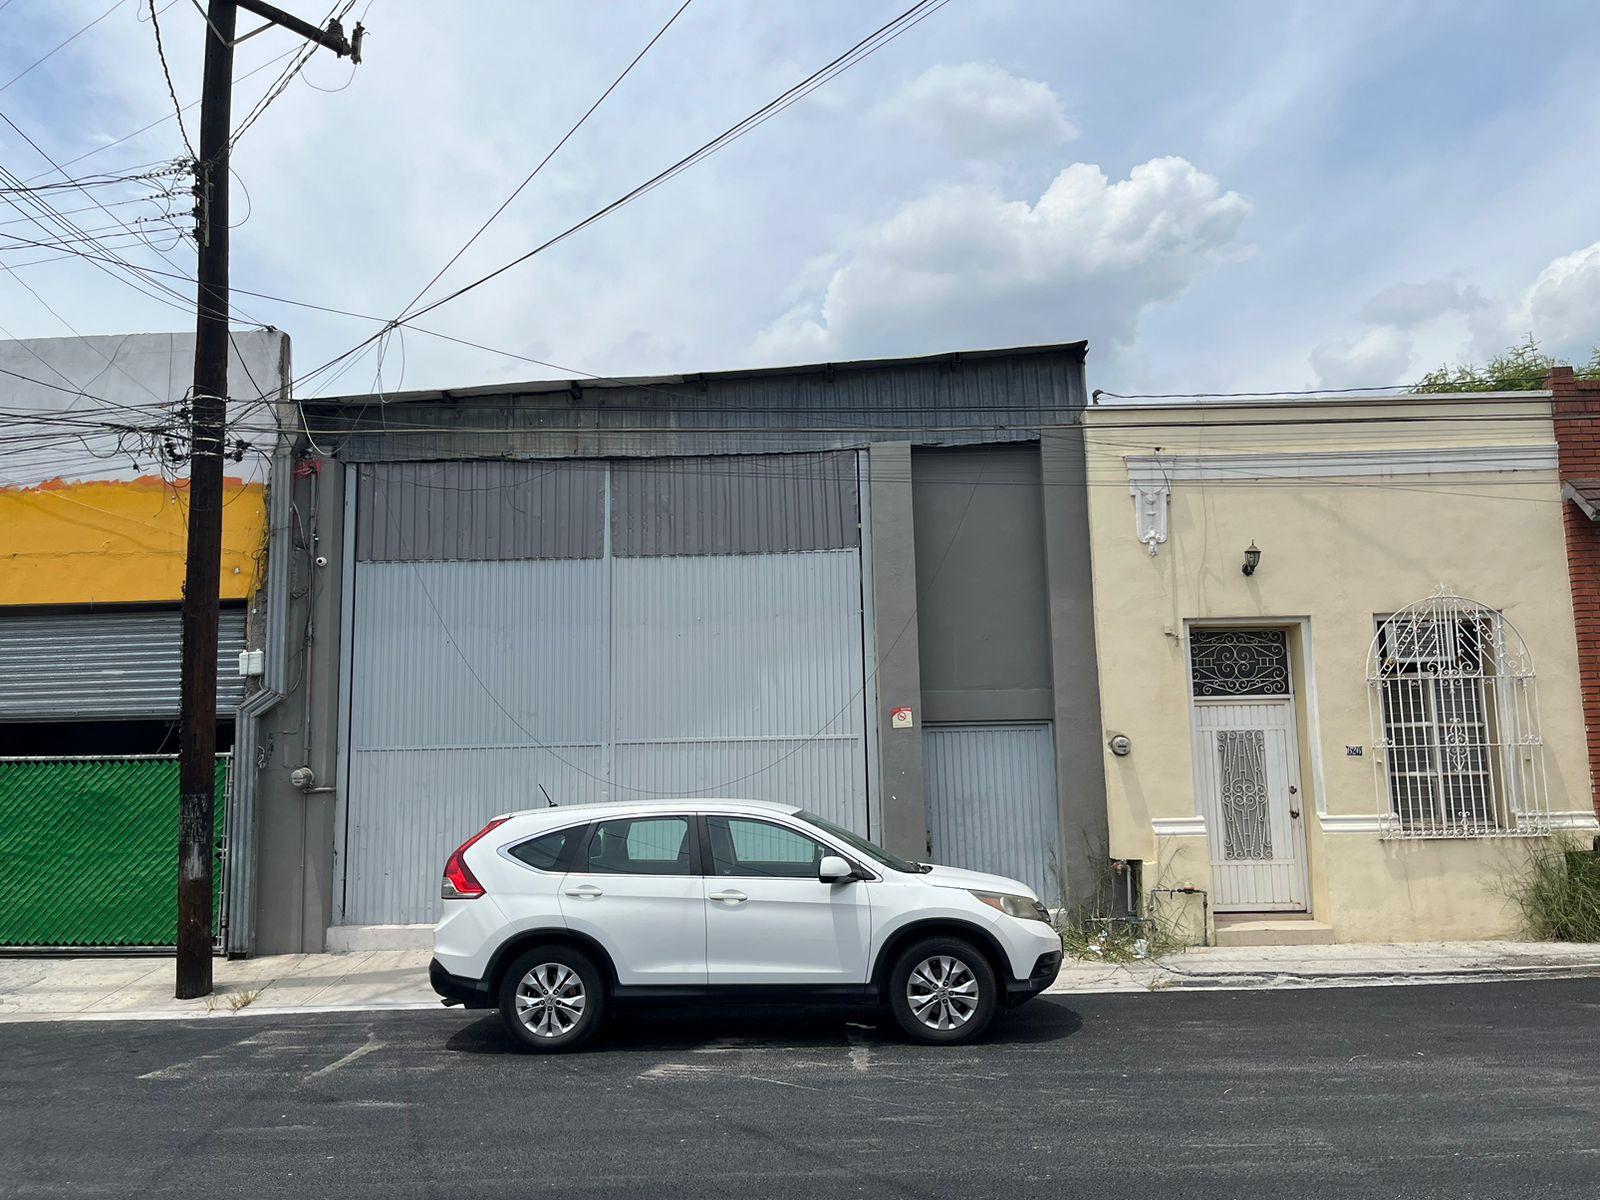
(1218, 196)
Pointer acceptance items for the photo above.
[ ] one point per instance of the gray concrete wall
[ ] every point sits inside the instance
(295, 829)
(899, 677)
(1080, 761)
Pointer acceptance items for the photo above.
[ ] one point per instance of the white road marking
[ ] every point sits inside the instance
(860, 1052)
(674, 1070)
(372, 1044)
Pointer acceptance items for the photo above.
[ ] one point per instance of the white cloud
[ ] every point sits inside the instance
(964, 266)
(1562, 308)
(981, 110)
(1407, 305)
(1380, 357)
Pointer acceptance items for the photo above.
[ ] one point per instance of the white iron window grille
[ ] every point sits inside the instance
(1455, 723)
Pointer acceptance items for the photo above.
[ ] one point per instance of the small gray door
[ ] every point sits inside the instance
(991, 801)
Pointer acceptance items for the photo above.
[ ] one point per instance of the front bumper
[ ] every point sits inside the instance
(1042, 976)
(456, 989)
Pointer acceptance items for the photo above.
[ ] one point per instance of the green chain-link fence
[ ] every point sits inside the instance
(89, 851)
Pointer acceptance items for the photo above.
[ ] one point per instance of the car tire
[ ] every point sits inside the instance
(956, 985)
(552, 999)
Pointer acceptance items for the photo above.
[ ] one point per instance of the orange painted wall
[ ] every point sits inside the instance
(115, 542)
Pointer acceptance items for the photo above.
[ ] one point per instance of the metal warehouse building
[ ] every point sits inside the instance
(859, 587)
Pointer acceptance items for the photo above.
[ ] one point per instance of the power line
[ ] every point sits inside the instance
(177, 109)
(834, 67)
(554, 150)
(865, 426)
(146, 128)
(281, 84)
(61, 45)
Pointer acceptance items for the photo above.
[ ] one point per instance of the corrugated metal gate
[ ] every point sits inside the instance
(89, 850)
(90, 666)
(611, 632)
(991, 801)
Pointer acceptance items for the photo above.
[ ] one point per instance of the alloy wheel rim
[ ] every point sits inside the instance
(550, 1000)
(942, 992)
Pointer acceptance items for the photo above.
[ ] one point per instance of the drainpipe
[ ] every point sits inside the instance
(241, 825)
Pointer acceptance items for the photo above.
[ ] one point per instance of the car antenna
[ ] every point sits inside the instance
(547, 799)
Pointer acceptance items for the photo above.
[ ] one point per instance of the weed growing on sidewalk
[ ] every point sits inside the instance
(1559, 892)
(1098, 932)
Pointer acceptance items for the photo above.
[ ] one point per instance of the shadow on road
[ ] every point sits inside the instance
(674, 1027)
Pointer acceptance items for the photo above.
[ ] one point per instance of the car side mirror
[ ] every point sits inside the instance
(833, 869)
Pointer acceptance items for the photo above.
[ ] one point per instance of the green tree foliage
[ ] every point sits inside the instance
(1518, 368)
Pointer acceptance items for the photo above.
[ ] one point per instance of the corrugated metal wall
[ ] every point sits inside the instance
(991, 799)
(709, 670)
(741, 677)
(742, 504)
(86, 666)
(468, 511)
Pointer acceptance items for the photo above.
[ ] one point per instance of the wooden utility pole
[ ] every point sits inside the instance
(197, 738)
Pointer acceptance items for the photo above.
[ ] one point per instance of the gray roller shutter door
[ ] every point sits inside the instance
(991, 801)
(93, 666)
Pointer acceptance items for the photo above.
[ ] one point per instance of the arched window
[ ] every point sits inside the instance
(1455, 723)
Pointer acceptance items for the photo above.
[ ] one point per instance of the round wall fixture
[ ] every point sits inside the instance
(1120, 745)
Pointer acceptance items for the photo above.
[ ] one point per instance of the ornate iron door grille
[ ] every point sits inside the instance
(1242, 788)
(1239, 662)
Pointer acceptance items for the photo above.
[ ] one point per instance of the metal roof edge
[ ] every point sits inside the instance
(1078, 350)
(1096, 410)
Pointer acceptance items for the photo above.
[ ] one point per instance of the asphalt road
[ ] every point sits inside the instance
(1472, 1091)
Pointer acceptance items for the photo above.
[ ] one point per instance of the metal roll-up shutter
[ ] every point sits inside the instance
(991, 801)
(96, 666)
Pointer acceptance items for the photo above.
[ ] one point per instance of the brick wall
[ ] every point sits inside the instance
(1577, 423)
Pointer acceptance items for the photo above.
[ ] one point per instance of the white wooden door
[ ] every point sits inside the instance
(1247, 768)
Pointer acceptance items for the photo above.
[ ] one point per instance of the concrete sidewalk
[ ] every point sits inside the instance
(106, 988)
(1355, 965)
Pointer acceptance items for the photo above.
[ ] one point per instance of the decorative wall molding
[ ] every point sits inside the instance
(1179, 826)
(1363, 823)
(1580, 819)
(1151, 496)
(1351, 823)
(1152, 469)
(1151, 476)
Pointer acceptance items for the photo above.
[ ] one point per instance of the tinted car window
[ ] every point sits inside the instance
(548, 852)
(759, 848)
(640, 846)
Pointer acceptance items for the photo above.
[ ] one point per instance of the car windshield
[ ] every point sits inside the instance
(877, 853)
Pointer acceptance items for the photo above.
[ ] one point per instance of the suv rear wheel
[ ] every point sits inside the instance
(942, 990)
(552, 999)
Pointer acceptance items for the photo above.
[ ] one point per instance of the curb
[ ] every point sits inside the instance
(223, 1014)
(1168, 979)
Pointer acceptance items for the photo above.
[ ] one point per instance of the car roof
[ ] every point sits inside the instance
(633, 808)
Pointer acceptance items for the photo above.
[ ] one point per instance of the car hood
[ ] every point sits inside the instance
(955, 877)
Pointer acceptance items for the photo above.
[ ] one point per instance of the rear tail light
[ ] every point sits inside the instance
(459, 881)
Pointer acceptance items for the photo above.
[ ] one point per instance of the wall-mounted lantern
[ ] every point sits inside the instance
(1252, 559)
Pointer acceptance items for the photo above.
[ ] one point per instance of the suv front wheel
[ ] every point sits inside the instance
(552, 999)
(942, 990)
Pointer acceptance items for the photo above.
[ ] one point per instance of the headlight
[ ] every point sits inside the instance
(1024, 908)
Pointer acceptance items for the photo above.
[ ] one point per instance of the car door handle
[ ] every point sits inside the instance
(729, 897)
(585, 891)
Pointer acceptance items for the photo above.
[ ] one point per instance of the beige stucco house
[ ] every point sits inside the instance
(1361, 736)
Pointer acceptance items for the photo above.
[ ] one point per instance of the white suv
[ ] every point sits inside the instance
(550, 915)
